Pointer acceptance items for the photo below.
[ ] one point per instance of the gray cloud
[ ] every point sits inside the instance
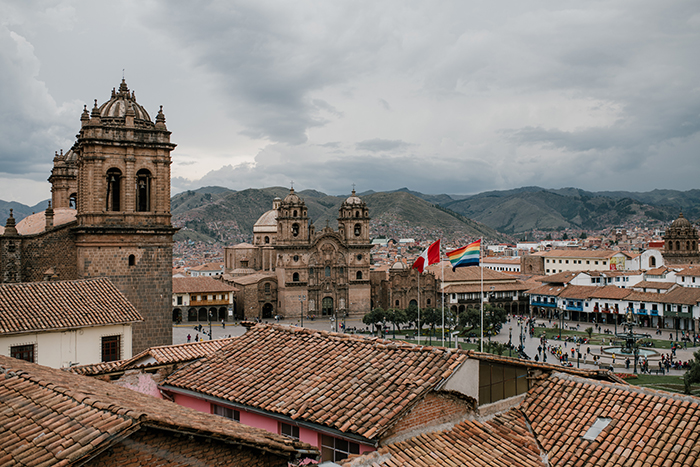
(461, 98)
(381, 145)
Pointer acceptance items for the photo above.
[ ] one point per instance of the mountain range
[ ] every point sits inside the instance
(216, 214)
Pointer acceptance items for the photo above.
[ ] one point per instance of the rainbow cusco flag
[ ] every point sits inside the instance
(465, 256)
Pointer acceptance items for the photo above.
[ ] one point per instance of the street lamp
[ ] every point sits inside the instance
(209, 315)
(301, 306)
(510, 341)
(676, 324)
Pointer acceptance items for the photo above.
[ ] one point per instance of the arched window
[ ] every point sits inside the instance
(687, 245)
(396, 303)
(359, 275)
(267, 239)
(295, 213)
(73, 201)
(670, 246)
(678, 245)
(132, 260)
(143, 190)
(328, 271)
(428, 302)
(357, 213)
(114, 181)
(358, 230)
(413, 304)
(694, 246)
(652, 262)
(311, 272)
(295, 277)
(267, 287)
(295, 228)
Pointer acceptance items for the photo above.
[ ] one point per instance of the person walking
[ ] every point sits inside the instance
(188, 338)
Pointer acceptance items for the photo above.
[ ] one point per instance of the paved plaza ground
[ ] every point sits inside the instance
(512, 327)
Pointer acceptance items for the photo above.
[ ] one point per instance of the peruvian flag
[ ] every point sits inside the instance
(431, 255)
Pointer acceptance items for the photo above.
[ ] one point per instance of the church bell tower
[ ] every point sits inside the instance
(124, 228)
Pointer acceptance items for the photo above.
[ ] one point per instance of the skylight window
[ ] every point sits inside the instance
(599, 425)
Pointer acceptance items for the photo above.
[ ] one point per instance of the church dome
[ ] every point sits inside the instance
(267, 223)
(121, 104)
(399, 265)
(681, 222)
(354, 199)
(292, 198)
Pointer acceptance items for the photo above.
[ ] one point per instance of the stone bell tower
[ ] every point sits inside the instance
(124, 230)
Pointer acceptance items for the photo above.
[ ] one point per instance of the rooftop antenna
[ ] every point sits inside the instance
(122, 73)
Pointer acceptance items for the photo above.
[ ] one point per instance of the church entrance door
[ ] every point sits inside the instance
(327, 306)
(267, 311)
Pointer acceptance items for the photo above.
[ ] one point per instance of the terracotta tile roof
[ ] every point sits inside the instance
(689, 271)
(653, 285)
(180, 353)
(53, 417)
(682, 296)
(349, 383)
(467, 274)
(43, 306)
(490, 287)
(546, 289)
(505, 440)
(585, 292)
(201, 284)
(251, 278)
(592, 254)
(561, 277)
(646, 427)
(645, 297)
(155, 356)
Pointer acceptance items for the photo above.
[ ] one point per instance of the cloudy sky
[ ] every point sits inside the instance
(440, 97)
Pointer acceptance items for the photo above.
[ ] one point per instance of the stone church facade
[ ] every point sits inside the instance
(297, 268)
(681, 243)
(109, 215)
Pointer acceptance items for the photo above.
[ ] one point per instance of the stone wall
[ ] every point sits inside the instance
(140, 266)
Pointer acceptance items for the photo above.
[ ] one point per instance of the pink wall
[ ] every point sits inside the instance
(259, 421)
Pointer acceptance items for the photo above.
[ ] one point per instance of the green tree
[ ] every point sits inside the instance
(374, 318)
(692, 376)
(565, 236)
(431, 317)
(412, 315)
(583, 235)
(589, 331)
(396, 317)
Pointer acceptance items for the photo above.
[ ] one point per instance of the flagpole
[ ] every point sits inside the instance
(442, 282)
(481, 264)
(418, 308)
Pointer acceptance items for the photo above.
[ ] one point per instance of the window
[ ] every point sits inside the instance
(267, 239)
(23, 352)
(295, 213)
(328, 271)
(267, 287)
(295, 277)
(111, 348)
(498, 382)
(428, 302)
(336, 449)
(226, 412)
(179, 300)
(311, 272)
(295, 228)
(143, 190)
(290, 431)
(358, 230)
(296, 258)
(132, 260)
(359, 257)
(359, 275)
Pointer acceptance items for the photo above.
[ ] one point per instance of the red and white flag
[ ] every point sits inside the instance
(431, 255)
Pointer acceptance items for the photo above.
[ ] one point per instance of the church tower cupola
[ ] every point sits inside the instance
(353, 220)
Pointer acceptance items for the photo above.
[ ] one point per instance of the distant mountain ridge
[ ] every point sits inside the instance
(217, 214)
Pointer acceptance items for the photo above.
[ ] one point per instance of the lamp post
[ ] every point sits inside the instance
(510, 341)
(676, 324)
(209, 315)
(578, 355)
(301, 306)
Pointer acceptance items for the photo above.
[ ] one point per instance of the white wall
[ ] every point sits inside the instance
(58, 349)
